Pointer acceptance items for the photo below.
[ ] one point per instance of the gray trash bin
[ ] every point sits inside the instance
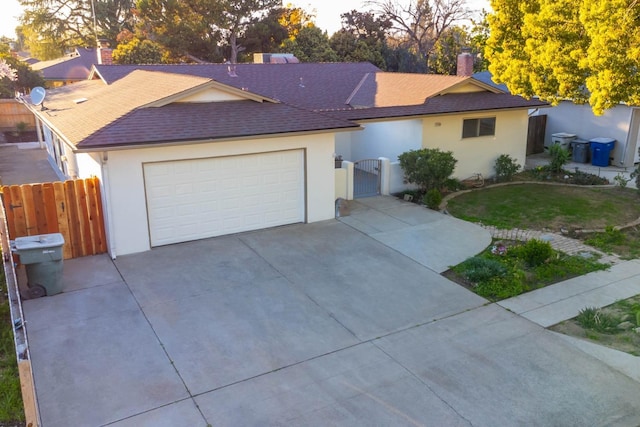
(581, 151)
(42, 258)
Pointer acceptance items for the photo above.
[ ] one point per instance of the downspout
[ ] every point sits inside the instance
(104, 167)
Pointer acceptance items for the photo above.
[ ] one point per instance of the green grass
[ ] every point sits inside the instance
(625, 243)
(497, 277)
(537, 206)
(11, 408)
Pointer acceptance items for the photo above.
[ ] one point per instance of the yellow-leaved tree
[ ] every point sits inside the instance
(583, 50)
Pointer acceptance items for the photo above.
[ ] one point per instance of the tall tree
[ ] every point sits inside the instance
(68, 23)
(232, 18)
(181, 30)
(421, 23)
(583, 50)
(199, 27)
(361, 38)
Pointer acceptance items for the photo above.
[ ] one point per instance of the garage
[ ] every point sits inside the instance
(199, 198)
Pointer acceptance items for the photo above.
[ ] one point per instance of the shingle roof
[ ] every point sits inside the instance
(81, 109)
(309, 85)
(75, 66)
(313, 98)
(209, 121)
(394, 89)
(444, 104)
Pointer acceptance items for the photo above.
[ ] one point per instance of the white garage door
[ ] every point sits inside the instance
(195, 199)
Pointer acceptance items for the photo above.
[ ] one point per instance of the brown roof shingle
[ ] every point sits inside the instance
(209, 121)
(396, 89)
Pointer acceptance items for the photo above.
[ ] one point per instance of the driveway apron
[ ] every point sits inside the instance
(309, 324)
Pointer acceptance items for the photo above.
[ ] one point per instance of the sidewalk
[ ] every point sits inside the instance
(553, 304)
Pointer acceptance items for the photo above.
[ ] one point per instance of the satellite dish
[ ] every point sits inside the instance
(37, 96)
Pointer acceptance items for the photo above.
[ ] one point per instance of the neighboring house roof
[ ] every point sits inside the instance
(486, 77)
(74, 66)
(154, 104)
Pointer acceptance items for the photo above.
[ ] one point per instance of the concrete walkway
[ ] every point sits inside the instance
(25, 163)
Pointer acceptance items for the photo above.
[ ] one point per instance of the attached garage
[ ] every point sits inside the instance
(200, 198)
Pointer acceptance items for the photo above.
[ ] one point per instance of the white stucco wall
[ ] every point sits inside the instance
(385, 139)
(478, 154)
(129, 231)
(343, 144)
(580, 120)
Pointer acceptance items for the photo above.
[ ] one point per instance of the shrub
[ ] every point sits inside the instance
(433, 198)
(597, 320)
(535, 252)
(506, 167)
(502, 287)
(478, 269)
(428, 167)
(559, 158)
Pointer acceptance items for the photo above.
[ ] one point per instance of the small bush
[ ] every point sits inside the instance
(453, 184)
(506, 167)
(597, 320)
(428, 167)
(502, 287)
(583, 178)
(535, 252)
(432, 199)
(478, 269)
(559, 158)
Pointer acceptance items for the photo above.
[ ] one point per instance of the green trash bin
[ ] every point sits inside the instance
(42, 258)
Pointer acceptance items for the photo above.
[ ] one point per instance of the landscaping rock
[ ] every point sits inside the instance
(626, 326)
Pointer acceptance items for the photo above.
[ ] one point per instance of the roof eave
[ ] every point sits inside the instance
(175, 143)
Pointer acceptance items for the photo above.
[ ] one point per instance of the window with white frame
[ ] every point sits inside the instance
(472, 128)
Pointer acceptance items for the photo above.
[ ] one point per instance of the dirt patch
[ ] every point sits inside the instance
(14, 137)
(625, 336)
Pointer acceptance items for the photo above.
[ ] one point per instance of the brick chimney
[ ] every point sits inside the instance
(104, 53)
(465, 64)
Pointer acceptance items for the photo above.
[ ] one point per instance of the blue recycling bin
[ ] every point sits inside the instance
(601, 150)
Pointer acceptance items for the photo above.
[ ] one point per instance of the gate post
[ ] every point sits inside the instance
(349, 167)
(385, 175)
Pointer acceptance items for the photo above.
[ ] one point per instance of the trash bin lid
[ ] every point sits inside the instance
(564, 135)
(602, 140)
(579, 141)
(40, 241)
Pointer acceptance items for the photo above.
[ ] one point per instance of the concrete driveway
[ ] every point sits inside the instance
(318, 324)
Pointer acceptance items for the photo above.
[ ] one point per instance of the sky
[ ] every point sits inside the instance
(327, 12)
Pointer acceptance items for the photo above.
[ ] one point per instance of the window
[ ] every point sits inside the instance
(472, 128)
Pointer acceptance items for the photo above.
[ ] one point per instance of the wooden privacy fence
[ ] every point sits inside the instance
(72, 208)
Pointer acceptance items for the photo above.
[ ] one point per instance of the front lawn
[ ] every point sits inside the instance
(508, 269)
(539, 206)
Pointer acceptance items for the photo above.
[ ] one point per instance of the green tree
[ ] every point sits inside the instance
(137, 51)
(15, 76)
(444, 57)
(179, 29)
(201, 28)
(361, 38)
(582, 50)
(311, 45)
